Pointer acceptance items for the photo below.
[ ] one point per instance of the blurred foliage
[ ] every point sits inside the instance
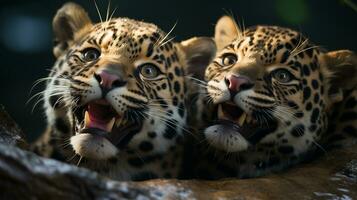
(292, 11)
(350, 4)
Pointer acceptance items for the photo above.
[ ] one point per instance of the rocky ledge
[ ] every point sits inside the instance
(24, 175)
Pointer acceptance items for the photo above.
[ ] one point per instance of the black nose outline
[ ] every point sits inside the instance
(116, 84)
(244, 86)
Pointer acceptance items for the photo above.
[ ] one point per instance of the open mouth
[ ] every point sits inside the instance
(101, 116)
(247, 125)
(102, 131)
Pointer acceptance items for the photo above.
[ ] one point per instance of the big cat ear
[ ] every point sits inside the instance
(226, 31)
(69, 22)
(341, 66)
(199, 52)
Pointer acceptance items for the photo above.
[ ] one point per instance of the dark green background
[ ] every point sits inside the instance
(25, 34)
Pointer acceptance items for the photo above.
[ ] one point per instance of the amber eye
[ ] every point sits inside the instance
(90, 54)
(149, 70)
(282, 75)
(229, 59)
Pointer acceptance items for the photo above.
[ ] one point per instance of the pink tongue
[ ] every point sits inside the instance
(99, 116)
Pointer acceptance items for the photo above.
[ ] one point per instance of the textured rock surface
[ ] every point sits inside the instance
(10, 133)
(23, 175)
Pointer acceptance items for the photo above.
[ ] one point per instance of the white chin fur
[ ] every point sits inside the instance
(225, 139)
(93, 147)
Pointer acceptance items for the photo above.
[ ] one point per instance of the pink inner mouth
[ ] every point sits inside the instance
(100, 115)
(103, 122)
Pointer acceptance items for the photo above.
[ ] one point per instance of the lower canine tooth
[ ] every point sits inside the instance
(242, 119)
(110, 124)
(120, 122)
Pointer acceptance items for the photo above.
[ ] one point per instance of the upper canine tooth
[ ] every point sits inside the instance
(86, 118)
(242, 119)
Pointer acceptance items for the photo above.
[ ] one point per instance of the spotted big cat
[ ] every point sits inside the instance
(115, 97)
(275, 99)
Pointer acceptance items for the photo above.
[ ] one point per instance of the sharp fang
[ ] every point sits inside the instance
(242, 119)
(86, 119)
(110, 124)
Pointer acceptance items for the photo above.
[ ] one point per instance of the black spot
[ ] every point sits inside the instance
(309, 52)
(163, 86)
(313, 66)
(315, 115)
(286, 149)
(307, 93)
(306, 70)
(308, 106)
(314, 84)
(299, 114)
(177, 87)
(175, 101)
(152, 134)
(292, 105)
(288, 46)
(146, 146)
(280, 46)
(150, 50)
(298, 130)
(171, 76)
(61, 125)
(177, 71)
(316, 98)
(181, 110)
(285, 57)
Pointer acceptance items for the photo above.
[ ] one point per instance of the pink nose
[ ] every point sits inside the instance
(109, 80)
(237, 83)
